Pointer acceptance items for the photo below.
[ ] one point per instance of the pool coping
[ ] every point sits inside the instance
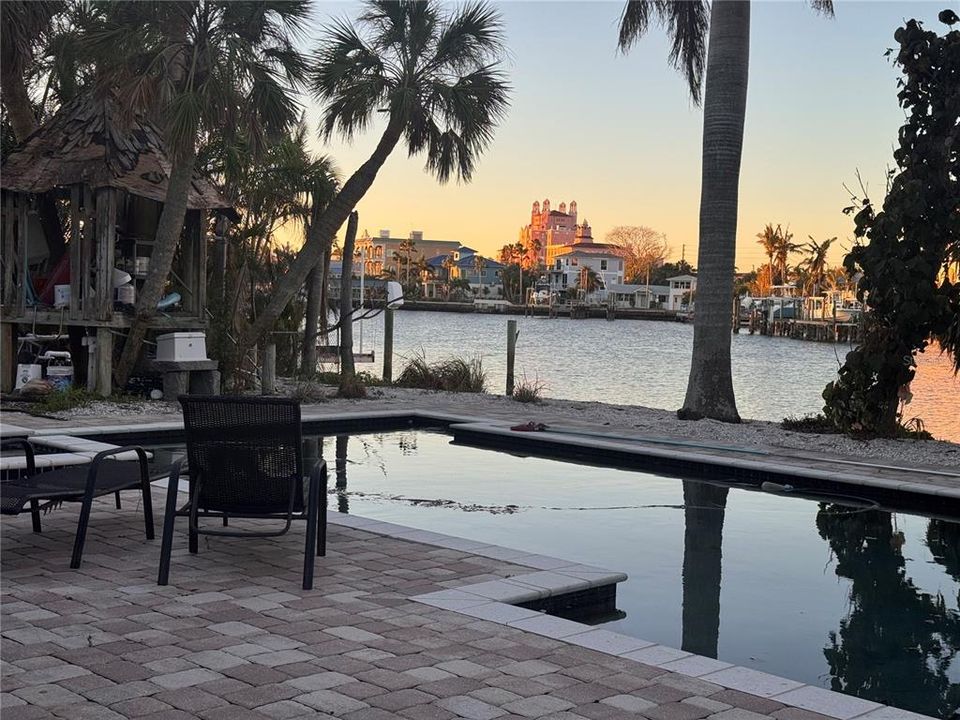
(543, 442)
(496, 601)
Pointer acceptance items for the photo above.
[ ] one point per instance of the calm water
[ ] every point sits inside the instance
(647, 363)
(863, 602)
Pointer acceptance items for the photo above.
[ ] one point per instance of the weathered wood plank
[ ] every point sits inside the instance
(87, 255)
(104, 360)
(106, 241)
(9, 251)
(22, 252)
(201, 308)
(76, 281)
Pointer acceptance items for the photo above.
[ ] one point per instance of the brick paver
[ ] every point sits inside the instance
(234, 637)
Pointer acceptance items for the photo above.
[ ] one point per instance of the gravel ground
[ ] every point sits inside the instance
(617, 418)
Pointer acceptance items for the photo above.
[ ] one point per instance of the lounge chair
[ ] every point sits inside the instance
(76, 483)
(245, 460)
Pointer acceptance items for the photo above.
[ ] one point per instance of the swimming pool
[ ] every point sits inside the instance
(837, 594)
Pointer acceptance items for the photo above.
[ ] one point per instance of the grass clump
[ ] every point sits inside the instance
(809, 424)
(529, 391)
(63, 400)
(452, 375)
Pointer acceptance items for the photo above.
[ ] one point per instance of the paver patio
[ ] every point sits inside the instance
(234, 637)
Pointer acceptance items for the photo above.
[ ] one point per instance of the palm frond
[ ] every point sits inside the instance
(687, 23)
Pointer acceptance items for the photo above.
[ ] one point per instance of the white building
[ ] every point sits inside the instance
(682, 288)
(640, 297)
(571, 263)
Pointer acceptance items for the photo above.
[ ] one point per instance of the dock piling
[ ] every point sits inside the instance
(511, 353)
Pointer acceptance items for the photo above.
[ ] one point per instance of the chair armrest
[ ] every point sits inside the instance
(27, 451)
(319, 472)
(104, 454)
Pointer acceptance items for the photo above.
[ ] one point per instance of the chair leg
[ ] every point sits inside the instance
(322, 528)
(313, 508)
(116, 496)
(147, 506)
(194, 541)
(169, 515)
(226, 521)
(35, 515)
(81, 537)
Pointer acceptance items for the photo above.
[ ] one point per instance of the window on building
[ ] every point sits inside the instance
(603, 264)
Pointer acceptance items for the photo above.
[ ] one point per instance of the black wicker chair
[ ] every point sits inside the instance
(245, 460)
(76, 483)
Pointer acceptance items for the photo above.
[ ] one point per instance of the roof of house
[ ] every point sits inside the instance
(91, 141)
(682, 277)
(464, 262)
(588, 248)
(626, 289)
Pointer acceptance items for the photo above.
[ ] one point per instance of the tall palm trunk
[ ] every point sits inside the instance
(161, 261)
(710, 385)
(347, 369)
(324, 230)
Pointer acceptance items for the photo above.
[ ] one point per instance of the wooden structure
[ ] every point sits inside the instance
(108, 171)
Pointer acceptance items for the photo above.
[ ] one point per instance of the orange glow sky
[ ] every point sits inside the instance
(619, 135)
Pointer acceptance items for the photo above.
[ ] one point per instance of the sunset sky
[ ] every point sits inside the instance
(619, 134)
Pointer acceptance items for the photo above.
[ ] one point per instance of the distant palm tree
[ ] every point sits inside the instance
(229, 67)
(784, 247)
(768, 238)
(710, 385)
(816, 262)
(589, 281)
(479, 265)
(433, 75)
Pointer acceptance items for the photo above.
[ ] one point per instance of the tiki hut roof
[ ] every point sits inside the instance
(89, 142)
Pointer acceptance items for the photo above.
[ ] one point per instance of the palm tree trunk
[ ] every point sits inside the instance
(347, 369)
(323, 231)
(308, 364)
(710, 385)
(161, 262)
(19, 109)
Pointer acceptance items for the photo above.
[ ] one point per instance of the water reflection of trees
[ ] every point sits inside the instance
(897, 642)
(703, 514)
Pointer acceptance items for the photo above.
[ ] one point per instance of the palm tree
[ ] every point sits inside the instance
(710, 385)
(201, 65)
(24, 24)
(784, 246)
(816, 262)
(407, 246)
(433, 75)
(589, 281)
(479, 265)
(768, 238)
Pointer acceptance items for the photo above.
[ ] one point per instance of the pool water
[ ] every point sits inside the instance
(836, 594)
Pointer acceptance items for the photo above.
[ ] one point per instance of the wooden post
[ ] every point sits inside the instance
(388, 345)
(268, 382)
(75, 274)
(511, 353)
(202, 265)
(104, 361)
(87, 256)
(106, 242)
(23, 252)
(8, 360)
(10, 266)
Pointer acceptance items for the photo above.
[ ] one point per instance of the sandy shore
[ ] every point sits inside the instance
(632, 419)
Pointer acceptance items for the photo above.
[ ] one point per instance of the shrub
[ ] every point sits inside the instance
(809, 424)
(528, 391)
(452, 375)
(62, 400)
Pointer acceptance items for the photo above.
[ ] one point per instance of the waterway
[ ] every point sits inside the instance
(638, 362)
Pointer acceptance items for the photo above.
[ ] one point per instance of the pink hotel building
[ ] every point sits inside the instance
(550, 229)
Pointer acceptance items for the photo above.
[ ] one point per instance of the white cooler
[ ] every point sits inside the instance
(182, 346)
